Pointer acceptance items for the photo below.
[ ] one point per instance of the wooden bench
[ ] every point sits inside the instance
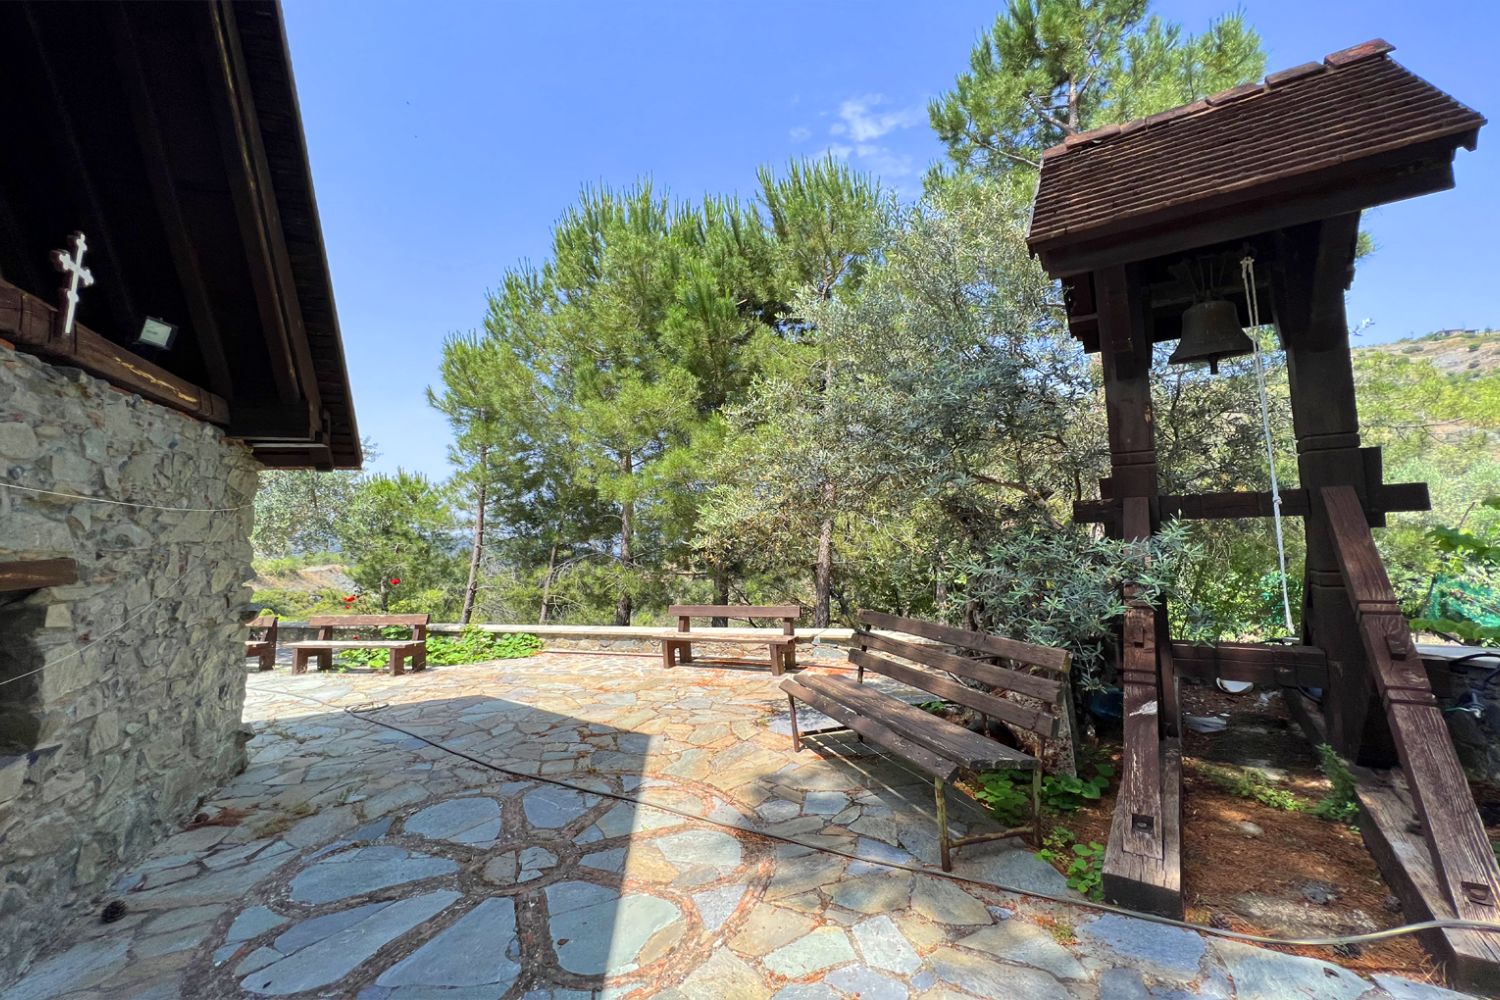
(783, 647)
(936, 746)
(264, 648)
(324, 646)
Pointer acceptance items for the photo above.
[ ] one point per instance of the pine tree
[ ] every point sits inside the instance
(1048, 69)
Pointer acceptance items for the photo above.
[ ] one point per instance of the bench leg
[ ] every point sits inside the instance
(666, 655)
(778, 665)
(945, 851)
(796, 733)
(397, 655)
(1036, 805)
(685, 653)
(419, 658)
(325, 660)
(268, 659)
(299, 661)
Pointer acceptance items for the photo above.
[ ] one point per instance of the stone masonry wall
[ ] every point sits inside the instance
(136, 714)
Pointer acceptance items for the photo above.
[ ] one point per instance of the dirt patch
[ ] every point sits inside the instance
(1254, 868)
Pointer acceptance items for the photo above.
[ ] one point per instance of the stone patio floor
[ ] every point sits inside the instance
(350, 860)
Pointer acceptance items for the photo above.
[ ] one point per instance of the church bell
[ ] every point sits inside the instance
(1211, 332)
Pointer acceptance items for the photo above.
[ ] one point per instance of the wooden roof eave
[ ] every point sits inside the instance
(1333, 188)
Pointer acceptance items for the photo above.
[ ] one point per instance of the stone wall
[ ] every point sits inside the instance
(136, 713)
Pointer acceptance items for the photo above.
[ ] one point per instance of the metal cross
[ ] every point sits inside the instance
(72, 265)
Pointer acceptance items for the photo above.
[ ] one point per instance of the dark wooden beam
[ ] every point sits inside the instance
(1236, 504)
(255, 206)
(35, 574)
(204, 332)
(99, 231)
(1311, 269)
(1456, 839)
(28, 323)
(1142, 861)
(1391, 830)
(1266, 664)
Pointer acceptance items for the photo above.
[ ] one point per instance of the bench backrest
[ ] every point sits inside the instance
(325, 624)
(685, 613)
(928, 668)
(267, 622)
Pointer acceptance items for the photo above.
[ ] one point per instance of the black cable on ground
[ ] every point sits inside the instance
(362, 711)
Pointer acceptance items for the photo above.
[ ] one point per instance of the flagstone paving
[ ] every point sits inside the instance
(351, 860)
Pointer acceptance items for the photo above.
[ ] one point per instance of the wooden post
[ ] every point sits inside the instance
(1141, 866)
(1314, 266)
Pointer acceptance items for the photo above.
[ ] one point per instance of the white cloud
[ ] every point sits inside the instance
(874, 158)
(861, 120)
(800, 132)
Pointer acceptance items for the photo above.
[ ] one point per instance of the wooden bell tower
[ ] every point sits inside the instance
(1279, 171)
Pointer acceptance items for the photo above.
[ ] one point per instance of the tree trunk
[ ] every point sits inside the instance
(627, 526)
(472, 587)
(823, 574)
(547, 584)
(721, 592)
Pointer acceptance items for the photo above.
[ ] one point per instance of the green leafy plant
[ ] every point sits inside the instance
(935, 707)
(1006, 798)
(472, 645)
(1340, 804)
(1251, 785)
(1083, 864)
(1069, 793)
(1008, 793)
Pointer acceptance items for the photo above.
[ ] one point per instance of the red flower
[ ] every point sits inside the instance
(395, 581)
(350, 599)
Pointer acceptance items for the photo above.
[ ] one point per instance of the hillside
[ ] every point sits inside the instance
(1453, 352)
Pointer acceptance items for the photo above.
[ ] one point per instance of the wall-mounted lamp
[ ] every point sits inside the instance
(157, 333)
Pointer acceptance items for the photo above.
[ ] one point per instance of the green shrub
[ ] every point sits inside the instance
(1340, 804)
(472, 645)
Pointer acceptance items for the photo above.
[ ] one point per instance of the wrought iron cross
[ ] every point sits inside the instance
(72, 266)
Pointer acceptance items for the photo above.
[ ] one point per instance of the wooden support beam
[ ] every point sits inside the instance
(1312, 268)
(255, 206)
(1235, 504)
(1388, 822)
(1142, 861)
(1456, 839)
(34, 574)
(28, 322)
(113, 288)
(204, 329)
(1260, 663)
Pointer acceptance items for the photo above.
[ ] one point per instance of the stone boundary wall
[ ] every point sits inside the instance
(136, 714)
(817, 642)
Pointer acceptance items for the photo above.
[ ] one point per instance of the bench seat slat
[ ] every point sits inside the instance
(1041, 688)
(919, 756)
(734, 611)
(1040, 723)
(366, 621)
(978, 753)
(356, 644)
(982, 642)
(743, 637)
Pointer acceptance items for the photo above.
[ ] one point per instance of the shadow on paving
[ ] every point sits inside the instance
(364, 862)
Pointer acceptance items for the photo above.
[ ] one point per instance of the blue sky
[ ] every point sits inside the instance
(447, 136)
